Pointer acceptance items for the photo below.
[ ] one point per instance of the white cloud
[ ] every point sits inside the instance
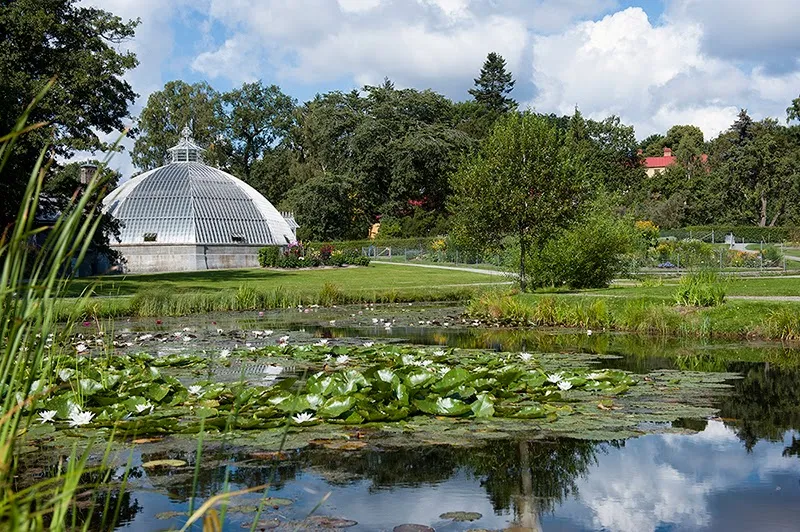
(236, 60)
(358, 6)
(652, 76)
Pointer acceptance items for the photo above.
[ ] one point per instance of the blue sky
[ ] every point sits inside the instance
(655, 63)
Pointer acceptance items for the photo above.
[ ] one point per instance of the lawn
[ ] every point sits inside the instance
(734, 286)
(347, 279)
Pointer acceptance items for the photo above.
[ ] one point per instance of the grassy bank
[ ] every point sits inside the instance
(178, 294)
(643, 314)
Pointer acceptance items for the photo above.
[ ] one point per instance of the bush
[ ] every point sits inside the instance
(588, 255)
(269, 256)
(700, 289)
(299, 256)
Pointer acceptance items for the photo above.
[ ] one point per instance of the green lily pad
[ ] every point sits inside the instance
(461, 516)
(168, 462)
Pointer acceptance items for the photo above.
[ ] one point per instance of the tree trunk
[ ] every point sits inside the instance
(523, 250)
(763, 221)
(775, 218)
(528, 503)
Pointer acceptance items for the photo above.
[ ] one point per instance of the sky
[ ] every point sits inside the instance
(654, 63)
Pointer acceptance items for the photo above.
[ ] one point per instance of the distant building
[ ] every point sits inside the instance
(187, 216)
(656, 165)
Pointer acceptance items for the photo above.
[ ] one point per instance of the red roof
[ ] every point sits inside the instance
(659, 162)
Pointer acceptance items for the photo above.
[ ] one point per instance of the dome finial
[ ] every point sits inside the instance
(186, 151)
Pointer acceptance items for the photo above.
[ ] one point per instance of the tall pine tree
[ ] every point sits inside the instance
(494, 84)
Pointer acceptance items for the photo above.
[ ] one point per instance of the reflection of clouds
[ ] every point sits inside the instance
(673, 479)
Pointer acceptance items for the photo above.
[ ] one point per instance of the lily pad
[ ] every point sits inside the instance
(461, 517)
(163, 516)
(164, 463)
(410, 527)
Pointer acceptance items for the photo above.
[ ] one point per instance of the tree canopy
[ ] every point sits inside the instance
(77, 45)
(494, 84)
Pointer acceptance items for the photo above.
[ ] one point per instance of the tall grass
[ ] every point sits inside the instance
(29, 287)
(700, 289)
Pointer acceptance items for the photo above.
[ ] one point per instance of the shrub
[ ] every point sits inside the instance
(589, 254)
(771, 255)
(269, 256)
(700, 289)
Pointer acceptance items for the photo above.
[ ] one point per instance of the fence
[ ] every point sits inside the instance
(425, 254)
(721, 234)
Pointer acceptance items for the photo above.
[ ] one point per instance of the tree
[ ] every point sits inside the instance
(326, 209)
(256, 117)
(793, 111)
(524, 183)
(79, 46)
(494, 84)
(167, 112)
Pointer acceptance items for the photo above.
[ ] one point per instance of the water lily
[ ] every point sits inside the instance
(555, 378)
(369, 344)
(268, 332)
(283, 340)
(332, 322)
(273, 370)
(303, 417)
(80, 348)
(220, 331)
(78, 418)
(47, 416)
(592, 376)
(141, 407)
(342, 359)
(589, 332)
(439, 353)
(564, 385)
(145, 337)
(225, 353)
(195, 389)
(187, 338)
(315, 401)
(322, 342)
(525, 356)
(374, 320)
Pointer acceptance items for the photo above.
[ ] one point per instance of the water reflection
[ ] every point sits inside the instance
(704, 481)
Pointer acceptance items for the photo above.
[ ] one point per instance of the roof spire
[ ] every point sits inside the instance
(186, 151)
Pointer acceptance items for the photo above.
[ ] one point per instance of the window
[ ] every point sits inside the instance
(150, 237)
(238, 239)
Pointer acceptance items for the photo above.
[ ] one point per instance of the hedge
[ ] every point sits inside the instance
(743, 233)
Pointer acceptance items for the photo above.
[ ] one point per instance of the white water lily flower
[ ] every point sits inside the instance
(593, 376)
(187, 339)
(374, 320)
(564, 385)
(268, 332)
(195, 390)
(283, 339)
(555, 378)
(342, 359)
(332, 322)
(322, 342)
(439, 353)
(225, 353)
(369, 344)
(303, 417)
(145, 337)
(47, 416)
(80, 348)
(220, 331)
(589, 332)
(525, 356)
(78, 418)
(141, 407)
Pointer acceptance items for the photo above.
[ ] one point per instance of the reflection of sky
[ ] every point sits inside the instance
(704, 481)
(700, 482)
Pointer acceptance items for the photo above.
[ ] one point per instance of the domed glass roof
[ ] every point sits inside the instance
(188, 202)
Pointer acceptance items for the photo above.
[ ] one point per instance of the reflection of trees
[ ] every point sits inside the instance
(765, 403)
(527, 477)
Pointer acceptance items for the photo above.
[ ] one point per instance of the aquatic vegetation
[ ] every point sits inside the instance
(700, 289)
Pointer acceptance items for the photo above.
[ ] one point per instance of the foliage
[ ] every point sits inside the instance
(326, 208)
(494, 84)
(29, 289)
(648, 233)
(525, 183)
(178, 105)
(688, 253)
(700, 289)
(298, 256)
(589, 254)
(79, 46)
(743, 233)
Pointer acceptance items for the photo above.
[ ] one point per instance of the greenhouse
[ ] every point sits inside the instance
(187, 215)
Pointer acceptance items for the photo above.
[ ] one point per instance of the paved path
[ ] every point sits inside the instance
(437, 267)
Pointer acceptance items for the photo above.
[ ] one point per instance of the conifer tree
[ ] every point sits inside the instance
(494, 84)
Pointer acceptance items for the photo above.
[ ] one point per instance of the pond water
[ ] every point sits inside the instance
(738, 471)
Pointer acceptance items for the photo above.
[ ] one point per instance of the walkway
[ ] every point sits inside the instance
(438, 267)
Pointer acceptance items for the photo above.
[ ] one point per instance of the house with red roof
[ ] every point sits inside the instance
(656, 165)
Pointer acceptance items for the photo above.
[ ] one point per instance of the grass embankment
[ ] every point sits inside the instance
(176, 294)
(644, 314)
(733, 286)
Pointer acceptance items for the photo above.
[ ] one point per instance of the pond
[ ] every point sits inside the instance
(736, 470)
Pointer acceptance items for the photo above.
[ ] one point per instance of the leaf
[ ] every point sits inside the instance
(336, 406)
(419, 378)
(483, 406)
(401, 393)
(443, 406)
(320, 384)
(164, 463)
(453, 378)
(204, 411)
(89, 386)
(531, 412)
(157, 392)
